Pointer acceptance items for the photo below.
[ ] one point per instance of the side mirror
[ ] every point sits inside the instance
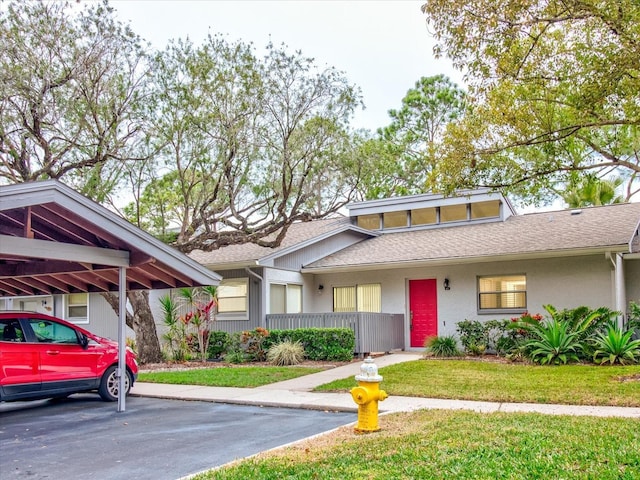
(84, 341)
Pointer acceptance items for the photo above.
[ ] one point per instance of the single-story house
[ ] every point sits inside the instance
(402, 269)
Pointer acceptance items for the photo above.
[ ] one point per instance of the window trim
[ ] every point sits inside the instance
(67, 304)
(356, 302)
(286, 286)
(237, 315)
(511, 310)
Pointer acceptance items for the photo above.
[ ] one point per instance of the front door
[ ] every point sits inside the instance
(423, 311)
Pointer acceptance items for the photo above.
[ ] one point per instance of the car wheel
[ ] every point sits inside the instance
(109, 384)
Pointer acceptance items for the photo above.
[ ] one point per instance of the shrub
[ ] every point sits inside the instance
(473, 336)
(286, 353)
(446, 346)
(250, 343)
(554, 343)
(616, 346)
(478, 337)
(633, 320)
(332, 344)
(218, 344)
(235, 356)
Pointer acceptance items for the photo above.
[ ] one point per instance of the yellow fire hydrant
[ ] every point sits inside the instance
(367, 395)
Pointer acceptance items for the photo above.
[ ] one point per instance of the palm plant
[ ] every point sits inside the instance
(616, 346)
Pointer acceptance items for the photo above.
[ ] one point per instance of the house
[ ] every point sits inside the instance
(402, 269)
(395, 270)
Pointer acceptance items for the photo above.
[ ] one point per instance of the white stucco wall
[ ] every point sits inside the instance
(564, 283)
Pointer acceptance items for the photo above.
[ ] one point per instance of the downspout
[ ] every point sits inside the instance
(262, 295)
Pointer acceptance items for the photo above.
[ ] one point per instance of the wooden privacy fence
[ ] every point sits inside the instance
(374, 332)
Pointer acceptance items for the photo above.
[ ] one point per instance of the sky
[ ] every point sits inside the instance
(382, 46)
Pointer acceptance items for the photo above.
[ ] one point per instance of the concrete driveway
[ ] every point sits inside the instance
(82, 437)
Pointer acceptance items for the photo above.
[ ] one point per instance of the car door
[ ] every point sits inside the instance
(19, 363)
(64, 363)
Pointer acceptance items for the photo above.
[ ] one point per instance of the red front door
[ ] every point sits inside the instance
(423, 310)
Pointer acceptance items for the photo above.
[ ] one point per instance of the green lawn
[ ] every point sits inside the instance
(506, 382)
(438, 444)
(228, 377)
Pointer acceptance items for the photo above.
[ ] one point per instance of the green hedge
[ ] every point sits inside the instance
(335, 344)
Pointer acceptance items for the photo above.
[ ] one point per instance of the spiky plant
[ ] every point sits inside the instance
(616, 346)
(446, 346)
(286, 353)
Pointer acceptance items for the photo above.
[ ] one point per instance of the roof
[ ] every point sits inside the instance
(612, 228)
(54, 240)
(298, 235)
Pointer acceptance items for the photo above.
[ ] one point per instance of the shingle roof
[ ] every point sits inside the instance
(559, 232)
(249, 253)
(546, 233)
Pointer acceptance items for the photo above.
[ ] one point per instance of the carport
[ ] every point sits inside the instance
(54, 240)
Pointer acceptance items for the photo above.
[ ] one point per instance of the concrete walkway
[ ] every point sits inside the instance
(297, 393)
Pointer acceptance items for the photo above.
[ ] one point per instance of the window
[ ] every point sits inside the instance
(11, 331)
(77, 309)
(507, 292)
(359, 298)
(285, 298)
(369, 222)
(453, 213)
(424, 216)
(232, 295)
(394, 219)
(485, 209)
(51, 332)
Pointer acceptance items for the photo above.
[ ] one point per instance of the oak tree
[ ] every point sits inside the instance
(555, 88)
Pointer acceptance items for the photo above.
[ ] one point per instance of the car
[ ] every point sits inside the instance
(46, 357)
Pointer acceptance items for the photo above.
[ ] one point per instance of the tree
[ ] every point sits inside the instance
(587, 190)
(214, 143)
(404, 154)
(248, 146)
(554, 89)
(69, 86)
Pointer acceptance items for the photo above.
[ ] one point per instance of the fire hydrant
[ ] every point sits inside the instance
(367, 395)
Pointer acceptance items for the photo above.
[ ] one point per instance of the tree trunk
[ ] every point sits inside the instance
(142, 323)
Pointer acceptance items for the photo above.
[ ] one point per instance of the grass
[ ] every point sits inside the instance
(247, 377)
(439, 444)
(504, 382)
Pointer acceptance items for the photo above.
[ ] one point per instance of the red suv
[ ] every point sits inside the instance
(43, 357)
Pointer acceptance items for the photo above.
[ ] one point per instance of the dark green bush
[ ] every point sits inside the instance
(478, 337)
(218, 343)
(333, 344)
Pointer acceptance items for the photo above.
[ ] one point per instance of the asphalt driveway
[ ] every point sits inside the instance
(82, 437)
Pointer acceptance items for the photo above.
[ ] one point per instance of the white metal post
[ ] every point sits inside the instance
(122, 342)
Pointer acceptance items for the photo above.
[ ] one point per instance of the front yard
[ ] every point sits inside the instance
(509, 382)
(455, 379)
(438, 444)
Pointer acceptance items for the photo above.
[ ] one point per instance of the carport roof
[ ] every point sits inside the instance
(54, 240)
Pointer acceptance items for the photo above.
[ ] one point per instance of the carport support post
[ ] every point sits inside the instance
(122, 343)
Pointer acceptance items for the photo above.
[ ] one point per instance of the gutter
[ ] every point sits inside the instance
(459, 260)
